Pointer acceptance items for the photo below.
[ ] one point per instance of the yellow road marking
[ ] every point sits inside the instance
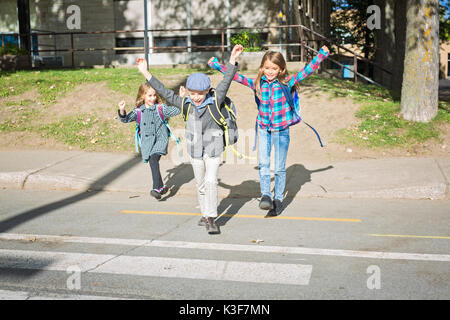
(408, 236)
(241, 216)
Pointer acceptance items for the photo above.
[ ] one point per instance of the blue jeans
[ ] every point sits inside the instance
(280, 141)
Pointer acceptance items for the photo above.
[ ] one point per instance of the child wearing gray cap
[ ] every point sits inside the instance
(204, 137)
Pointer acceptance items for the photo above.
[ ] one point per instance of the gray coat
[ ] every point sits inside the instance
(154, 133)
(203, 134)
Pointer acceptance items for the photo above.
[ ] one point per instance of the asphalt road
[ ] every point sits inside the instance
(128, 246)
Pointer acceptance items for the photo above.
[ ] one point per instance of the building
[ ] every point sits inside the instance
(111, 32)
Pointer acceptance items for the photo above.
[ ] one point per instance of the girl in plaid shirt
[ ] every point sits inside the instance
(275, 115)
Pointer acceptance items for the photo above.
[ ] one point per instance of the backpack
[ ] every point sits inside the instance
(225, 116)
(294, 102)
(137, 139)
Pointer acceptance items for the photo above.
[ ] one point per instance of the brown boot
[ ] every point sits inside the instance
(211, 226)
(202, 222)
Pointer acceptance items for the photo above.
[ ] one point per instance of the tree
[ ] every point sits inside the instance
(444, 21)
(419, 97)
(348, 25)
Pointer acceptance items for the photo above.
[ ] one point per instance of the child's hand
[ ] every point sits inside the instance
(237, 50)
(325, 49)
(182, 91)
(143, 68)
(122, 107)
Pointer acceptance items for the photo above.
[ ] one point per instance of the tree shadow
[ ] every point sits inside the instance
(93, 189)
(176, 177)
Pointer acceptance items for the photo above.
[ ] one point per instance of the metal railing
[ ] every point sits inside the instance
(303, 44)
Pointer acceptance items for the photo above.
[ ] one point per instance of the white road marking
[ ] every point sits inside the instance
(274, 273)
(230, 247)
(24, 295)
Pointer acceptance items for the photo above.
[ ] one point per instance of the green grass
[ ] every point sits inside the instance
(381, 124)
(26, 115)
(52, 84)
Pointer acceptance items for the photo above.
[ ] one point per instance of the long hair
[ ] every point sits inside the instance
(278, 59)
(143, 88)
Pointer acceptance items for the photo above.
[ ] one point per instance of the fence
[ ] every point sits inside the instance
(302, 46)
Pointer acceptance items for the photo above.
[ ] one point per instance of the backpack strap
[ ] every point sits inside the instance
(185, 108)
(137, 134)
(291, 100)
(139, 115)
(218, 117)
(159, 107)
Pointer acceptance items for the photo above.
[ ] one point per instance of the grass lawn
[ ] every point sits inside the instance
(381, 123)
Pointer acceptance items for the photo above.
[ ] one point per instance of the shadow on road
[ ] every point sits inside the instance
(176, 177)
(296, 176)
(94, 188)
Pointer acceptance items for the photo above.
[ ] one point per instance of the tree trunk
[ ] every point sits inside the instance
(419, 100)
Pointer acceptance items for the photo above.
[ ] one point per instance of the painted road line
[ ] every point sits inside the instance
(239, 216)
(231, 247)
(222, 270)
(24, 295)
(408, 236)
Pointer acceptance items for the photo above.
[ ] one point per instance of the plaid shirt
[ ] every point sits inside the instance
(274, 112)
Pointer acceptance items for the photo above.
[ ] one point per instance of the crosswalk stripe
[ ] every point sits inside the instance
(25, 295)
(231, 247)
(256, 272)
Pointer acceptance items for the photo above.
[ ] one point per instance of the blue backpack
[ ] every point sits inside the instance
(294, 103)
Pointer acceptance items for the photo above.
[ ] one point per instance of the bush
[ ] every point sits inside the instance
(251, 41)
(12, 49)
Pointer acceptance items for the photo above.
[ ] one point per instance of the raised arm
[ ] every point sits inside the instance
(124, 116)
(213, 63)
(171, 97)
(311, 67)
(232, 67)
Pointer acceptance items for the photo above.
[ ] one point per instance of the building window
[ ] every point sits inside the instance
(208, 40)
(169, 44)
(128, 44)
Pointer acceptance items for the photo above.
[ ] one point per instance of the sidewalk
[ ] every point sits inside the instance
(395, 178)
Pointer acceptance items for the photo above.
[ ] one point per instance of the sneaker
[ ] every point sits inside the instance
(277, 208)
(211, 226)
(156, 194)
(266, 203)
(202, 222)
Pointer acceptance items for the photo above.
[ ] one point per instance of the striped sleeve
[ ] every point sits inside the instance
(130, 117)
(170, 111)
(309, 69)
(214, 64)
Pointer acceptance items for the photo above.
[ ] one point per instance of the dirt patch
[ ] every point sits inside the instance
(89, 98)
